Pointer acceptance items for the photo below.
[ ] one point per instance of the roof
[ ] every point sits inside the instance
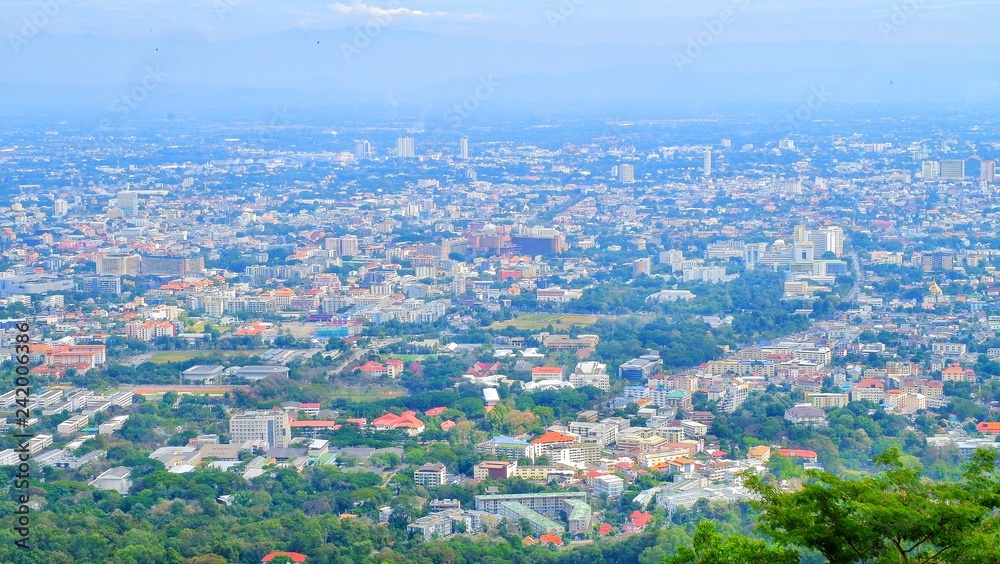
(798, 453)
(640, 519)
(435, 411)
(293, 556)
(988, 427)
(553, 437)
(407, 419)
(604, 529)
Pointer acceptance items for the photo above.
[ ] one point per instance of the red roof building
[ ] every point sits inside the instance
(406, 421)
(293, 556)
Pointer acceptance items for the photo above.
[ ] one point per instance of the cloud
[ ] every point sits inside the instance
(378, 13)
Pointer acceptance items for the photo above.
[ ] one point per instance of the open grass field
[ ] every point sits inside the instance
(181, 356)
(539, 321)
(360, 394)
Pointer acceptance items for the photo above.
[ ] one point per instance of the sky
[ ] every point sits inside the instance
(574, 22)
(543, 52)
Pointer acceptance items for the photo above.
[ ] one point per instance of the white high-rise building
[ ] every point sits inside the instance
(404, 148)
(272, 427)
(61, 207)
(128, 202)
(463, 149)
(626, 173)
(930, 169)
(362, 150)
(708, 162)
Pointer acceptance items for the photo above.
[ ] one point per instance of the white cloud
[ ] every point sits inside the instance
(378, 13)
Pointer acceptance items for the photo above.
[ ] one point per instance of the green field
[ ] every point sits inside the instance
(181, 356)
(539, 321)
(368, 393)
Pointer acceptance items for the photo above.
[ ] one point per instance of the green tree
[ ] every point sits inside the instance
(894, 516)
(711, 547)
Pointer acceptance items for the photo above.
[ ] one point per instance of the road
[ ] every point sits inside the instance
(354, 356)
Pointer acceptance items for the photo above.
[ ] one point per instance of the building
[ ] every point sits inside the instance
(643, 266)
(404, 148)
(128, 202)
(259, 372)
(149, 330)
(430, 475)
(116, 479)
(953, 170)
(203, 374)
(178, 267)
(988, 172)
(806, 414)
(507, 447)
(827, 400)
(626, 173)
(362, 150)
(406, 421)
(118, 265)
(270, 427)
(495, 470)
(591, 374)
(930, 169)
(463, 148)
(610, 485)
(707, 165)
(734, 397)
(641, 368)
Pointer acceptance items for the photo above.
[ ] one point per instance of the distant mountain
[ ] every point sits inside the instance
(434, 74)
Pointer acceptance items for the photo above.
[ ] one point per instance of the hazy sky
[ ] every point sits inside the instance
(548, 21)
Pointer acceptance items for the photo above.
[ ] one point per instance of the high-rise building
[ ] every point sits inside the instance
(626, 173)
(128, 202)
(349, 246)
(708, 162)
(641, 266)
(953, 170)
(362, 150)
(930, 169)
(121, 265)
(463, 149)
(988, 171)
(404, 148)
(61, 207)
(272, 427)
(171, 266)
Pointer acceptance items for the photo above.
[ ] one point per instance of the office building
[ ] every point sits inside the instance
(430, 475)
(930, 169)
(128, 202)
(362, 150)
(463, 149)
(118, 265)
(179, 267)
(708, 162)
(988, 171)
(270, 427)
(642, 266)
(953, 170)
(640, 368)
(626, 173)
(61, 207)
(404, 148)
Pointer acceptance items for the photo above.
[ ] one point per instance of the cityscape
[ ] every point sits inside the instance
(712, 334)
